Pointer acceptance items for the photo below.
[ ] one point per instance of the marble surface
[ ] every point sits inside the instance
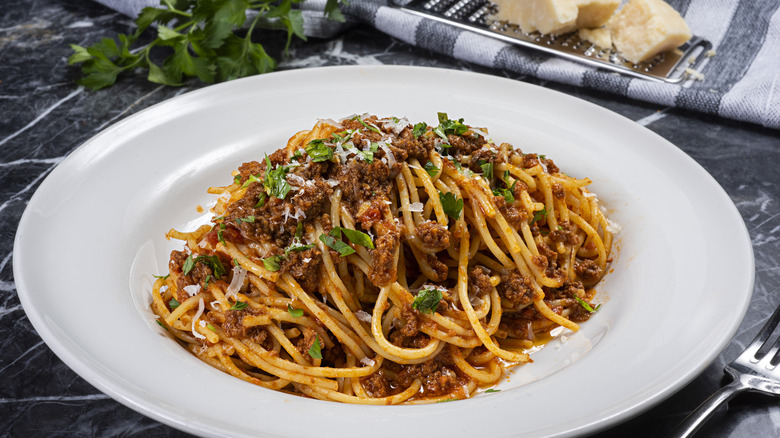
(44, 116)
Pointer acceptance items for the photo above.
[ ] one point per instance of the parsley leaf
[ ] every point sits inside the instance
(211, 261)
(297, 247)
(189, 263)
(368, 155)
(220, 237)
(297, 313)
(173, 303)
(487, 170)
(275, 183)
(315, 349)
(260, 200)
(419, 129)
(492, 390)
(370, 127)
(240, 305)
(455, 127)
(273, 263)
(427, 300)
(452, 206)
(163, 277)
(319, 151)
(342, 248)
(585, 305)
(508, 194)
(354, 236)
(431, 169)
(250, 180)
(299, 230)
(539, 215)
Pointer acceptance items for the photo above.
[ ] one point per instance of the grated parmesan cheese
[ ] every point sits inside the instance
(363, 316)
(239, 274)
(192, 289)
(201, 308)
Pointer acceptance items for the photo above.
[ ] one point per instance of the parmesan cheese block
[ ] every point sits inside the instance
(645, 28)
(600, 37)
(555, 16)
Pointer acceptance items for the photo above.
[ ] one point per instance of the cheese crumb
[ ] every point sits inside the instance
(696, 75)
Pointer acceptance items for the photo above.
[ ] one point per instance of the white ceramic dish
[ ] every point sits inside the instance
(93, 235)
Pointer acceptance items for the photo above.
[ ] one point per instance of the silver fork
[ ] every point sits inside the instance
(751, 371)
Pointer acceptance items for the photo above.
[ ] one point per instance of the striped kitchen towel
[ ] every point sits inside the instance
(741, 82)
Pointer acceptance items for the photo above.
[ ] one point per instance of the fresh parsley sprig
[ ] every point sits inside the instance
(451, 204)
(201, 37)
(332, 240)
(427, 300)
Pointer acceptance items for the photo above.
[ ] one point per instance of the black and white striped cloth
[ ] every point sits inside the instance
(741, 82)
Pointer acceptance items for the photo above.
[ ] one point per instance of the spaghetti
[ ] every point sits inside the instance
(378, 261)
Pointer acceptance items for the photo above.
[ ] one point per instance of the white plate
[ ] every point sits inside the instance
(92, 236)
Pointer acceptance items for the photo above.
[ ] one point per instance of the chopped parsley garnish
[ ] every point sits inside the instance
(539, 215)
(250, 219)
(211, 327)
(250, 180)
(162, 277)
(173, 303)
(342, 248)
(273, 263)
(368, 156)
(492, 390)
(160, 324)
(297, 155)
(189, 263)
(348, 134)
(296, 247)
(297, 313)
(354, 236)
(427, 300)
(487, 170)
(419, 129)
(585, 305)
(319, 151)
(431, 169)
(240, 305)
(275, 183)
(208, 278)
(260, 200)
(237, 179)
(373, 128)
(332, 240)
(220, 237)
(447, 126)
(315, 349)
(211, 261)
(452, 205)
(508, 194)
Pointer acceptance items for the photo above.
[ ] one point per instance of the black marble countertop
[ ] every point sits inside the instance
(44, 116)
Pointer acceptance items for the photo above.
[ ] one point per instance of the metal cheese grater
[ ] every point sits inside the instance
(474, 15)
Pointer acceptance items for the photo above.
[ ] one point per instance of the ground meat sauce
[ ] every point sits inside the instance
(433, 236)
(516, 290)
(287, 200)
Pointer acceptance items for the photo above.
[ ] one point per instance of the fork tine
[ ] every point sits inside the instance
(763, 336)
